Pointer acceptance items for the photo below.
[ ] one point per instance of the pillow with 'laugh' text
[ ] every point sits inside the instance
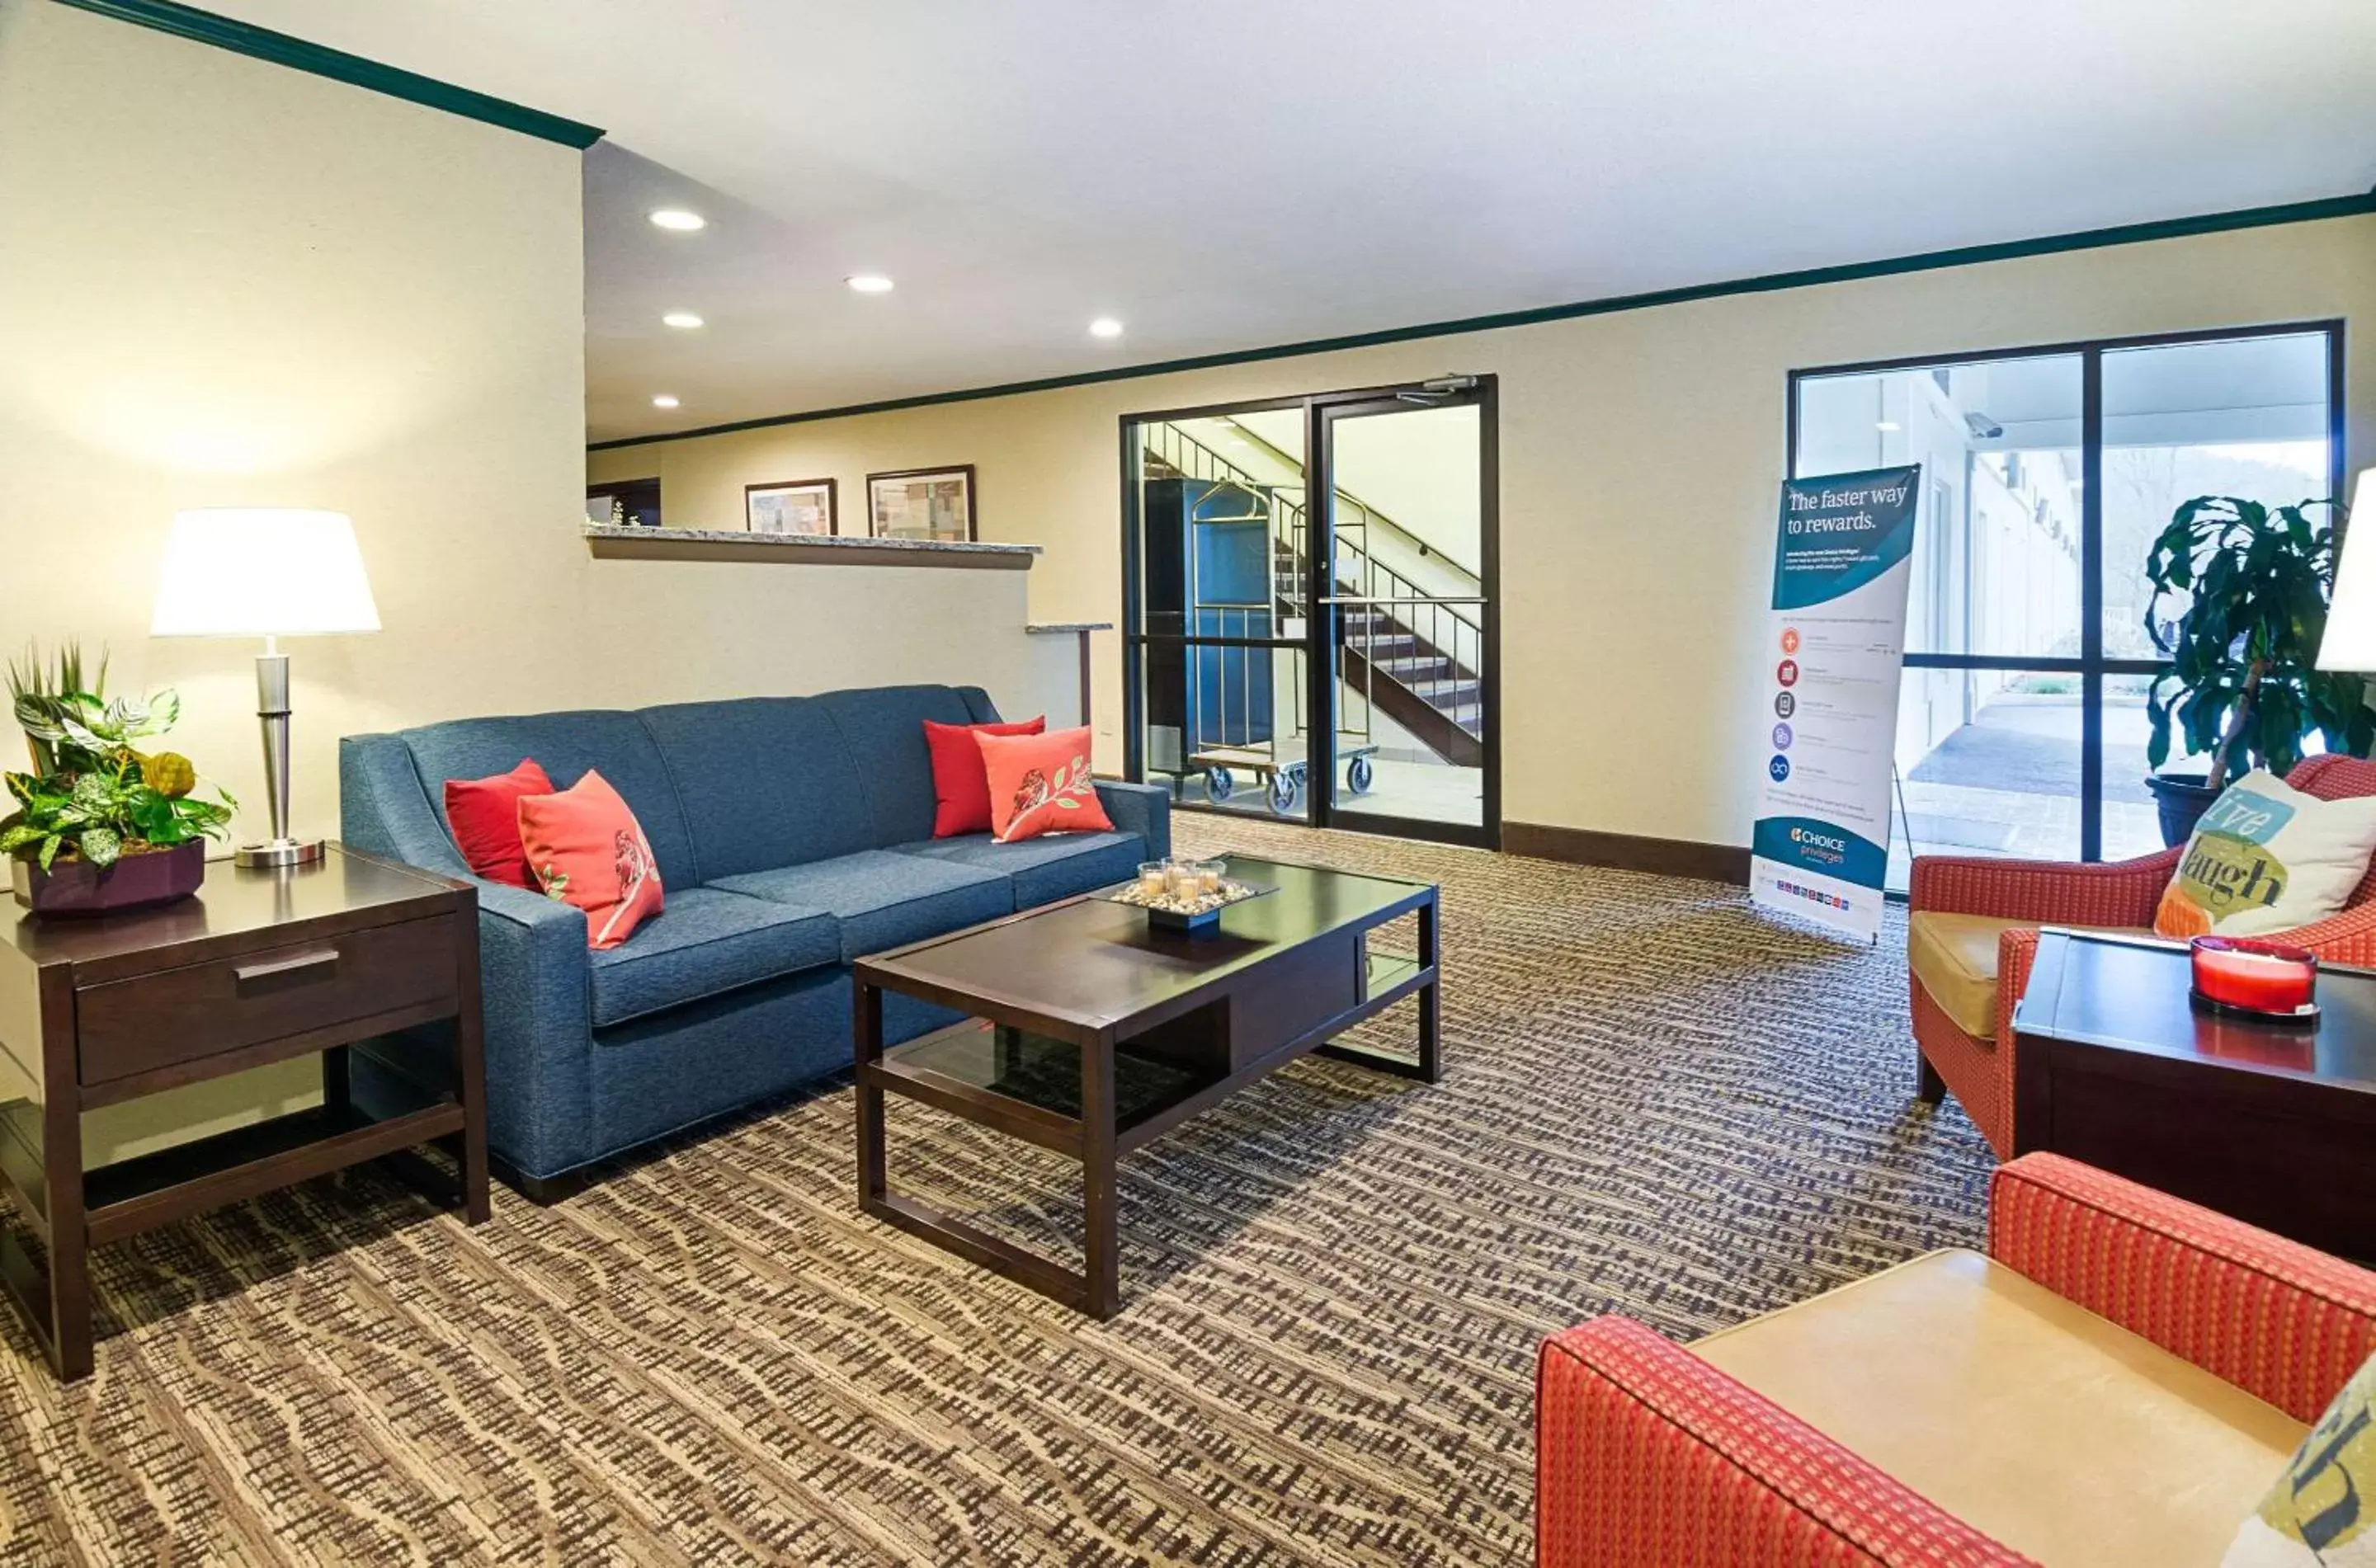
(2268, 858)
(2321, 1513)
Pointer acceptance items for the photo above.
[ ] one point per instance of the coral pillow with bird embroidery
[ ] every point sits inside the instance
(587, 849)
(1040, 784)
(2268, 858)
(960, 785)
(484, 815)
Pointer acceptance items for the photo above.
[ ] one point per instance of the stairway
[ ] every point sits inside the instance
(1415, 658)
(1405, 675)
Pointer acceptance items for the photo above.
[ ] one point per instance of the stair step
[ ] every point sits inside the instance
(1411, 672)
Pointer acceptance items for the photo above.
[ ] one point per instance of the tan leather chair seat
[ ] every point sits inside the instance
(1955, 956)
(2060, 1433)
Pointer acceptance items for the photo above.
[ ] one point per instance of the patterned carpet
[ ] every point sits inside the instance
(1656, 1103)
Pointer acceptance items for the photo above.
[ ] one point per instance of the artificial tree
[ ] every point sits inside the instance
(2243, 684)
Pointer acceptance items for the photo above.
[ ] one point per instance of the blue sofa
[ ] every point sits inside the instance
(793, 835)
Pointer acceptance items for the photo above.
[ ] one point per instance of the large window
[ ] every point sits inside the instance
(2046, 475)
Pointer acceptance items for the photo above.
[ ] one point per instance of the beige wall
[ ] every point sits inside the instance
(225, 283)
(1640, 455)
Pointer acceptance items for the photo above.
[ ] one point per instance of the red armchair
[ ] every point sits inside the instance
(1969, 968)
(2200, 1351)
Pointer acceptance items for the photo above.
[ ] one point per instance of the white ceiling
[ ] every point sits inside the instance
(1229, 174)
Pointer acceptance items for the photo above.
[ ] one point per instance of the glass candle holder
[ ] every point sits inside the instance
(1152, 882)
(1208, 876)
(1179, 879)
(2247, 975)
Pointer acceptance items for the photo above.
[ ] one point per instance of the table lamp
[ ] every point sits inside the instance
(2350, 639)
(270, 572)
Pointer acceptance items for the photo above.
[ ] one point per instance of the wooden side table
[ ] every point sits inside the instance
(2275, 1125)
(260, 966)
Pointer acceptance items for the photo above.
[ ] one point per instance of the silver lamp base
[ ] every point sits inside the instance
(279, 853)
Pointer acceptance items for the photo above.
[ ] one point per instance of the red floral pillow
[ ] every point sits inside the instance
(958, 776)
(484, 816)
(587, 849)
(1042, 784)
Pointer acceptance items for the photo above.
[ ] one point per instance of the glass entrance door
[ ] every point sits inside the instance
(1403, 640)
(1308, 589)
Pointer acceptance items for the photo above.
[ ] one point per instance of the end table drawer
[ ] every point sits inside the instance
(176, 1015)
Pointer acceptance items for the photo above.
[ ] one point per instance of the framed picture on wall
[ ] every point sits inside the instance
(921, 503)
(797, 507)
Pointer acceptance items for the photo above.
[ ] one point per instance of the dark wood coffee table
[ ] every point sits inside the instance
(2273, 1126)
(1092, 1034)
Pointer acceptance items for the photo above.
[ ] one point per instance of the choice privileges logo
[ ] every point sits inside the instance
(1818, 845)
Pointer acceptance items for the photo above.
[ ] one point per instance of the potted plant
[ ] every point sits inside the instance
(2243, 684)
(99, 826)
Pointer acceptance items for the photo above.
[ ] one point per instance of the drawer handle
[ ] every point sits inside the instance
(247, 972)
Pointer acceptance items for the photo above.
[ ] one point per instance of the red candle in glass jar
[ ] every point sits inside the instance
(2254, 976)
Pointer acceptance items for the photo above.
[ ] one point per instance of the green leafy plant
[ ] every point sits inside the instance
(92, 794)
(2243, 681)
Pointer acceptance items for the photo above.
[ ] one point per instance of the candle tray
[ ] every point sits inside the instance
(1196, 915)
(2305, 1017)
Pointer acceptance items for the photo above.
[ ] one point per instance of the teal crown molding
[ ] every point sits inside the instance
(1968, 255)
(263, 43)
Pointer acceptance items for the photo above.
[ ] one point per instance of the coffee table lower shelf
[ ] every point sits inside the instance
(1094, 1091)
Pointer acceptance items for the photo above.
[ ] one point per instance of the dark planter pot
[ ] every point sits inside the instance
(135, 882)
(2183, 798)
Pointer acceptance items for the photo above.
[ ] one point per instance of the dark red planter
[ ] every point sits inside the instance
(135, 882)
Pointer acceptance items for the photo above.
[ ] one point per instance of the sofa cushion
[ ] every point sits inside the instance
(1046, 869)
(767, 781)
(884, 729)
(565, 745)
(1955, 958)
(881, 899)
(705, 942)
(484, 816)
(2064, 1436)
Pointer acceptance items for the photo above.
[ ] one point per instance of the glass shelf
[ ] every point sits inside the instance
(1042, 1073)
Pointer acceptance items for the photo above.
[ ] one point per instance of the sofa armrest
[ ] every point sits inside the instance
(1143, 809)
(2120, 893)
(1645, 1454)
(2280, 1321)
(536, 982)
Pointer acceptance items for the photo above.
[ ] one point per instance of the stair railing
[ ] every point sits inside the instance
(1387, 604)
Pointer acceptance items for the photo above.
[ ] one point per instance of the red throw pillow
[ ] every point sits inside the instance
(587, 849)
(484, 816)
(1040, 784)
(957, 776)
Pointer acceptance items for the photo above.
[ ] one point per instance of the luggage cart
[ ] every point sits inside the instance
(1282, 769)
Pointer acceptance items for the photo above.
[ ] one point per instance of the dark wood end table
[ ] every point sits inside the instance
(261, 966)
(2272, 1125)
(1093, 1033)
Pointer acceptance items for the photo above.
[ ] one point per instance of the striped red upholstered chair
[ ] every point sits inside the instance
(2118, 1383)
(1972, 933)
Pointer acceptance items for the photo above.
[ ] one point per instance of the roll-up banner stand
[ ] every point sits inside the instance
(1833, 653)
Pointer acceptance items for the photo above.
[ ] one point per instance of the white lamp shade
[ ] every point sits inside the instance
(262, 571)
(2350, 639)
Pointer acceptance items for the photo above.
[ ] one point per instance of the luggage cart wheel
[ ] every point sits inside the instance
(1284, 788)
(1356, 775)
(1219, 785)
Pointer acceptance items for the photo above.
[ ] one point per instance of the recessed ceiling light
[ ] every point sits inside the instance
(684, 319)
(1888, 425)
(677, 218)
(869, 282)
(664, 401)
(1105, 327)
